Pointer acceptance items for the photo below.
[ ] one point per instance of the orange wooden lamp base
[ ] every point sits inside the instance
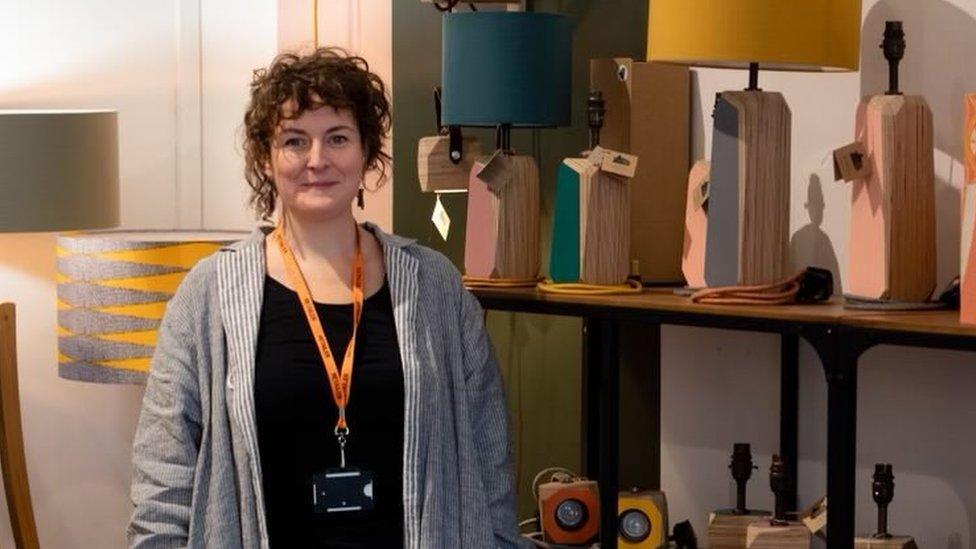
(893, 211)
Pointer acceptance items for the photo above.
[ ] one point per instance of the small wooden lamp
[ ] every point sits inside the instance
(781, 531)
(505, 70)
(892, 238)
(883, 491)
(727, 528)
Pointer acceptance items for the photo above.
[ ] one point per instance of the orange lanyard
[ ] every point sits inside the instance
(340, 381)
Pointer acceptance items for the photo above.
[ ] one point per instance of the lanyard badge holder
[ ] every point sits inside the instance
(342, 489)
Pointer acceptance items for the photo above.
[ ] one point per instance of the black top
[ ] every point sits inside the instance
(296, 416)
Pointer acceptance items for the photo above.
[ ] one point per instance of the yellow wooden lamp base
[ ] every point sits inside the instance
(12, 461)
(764, 534)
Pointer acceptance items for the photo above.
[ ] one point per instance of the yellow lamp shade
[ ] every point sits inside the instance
(808, 35)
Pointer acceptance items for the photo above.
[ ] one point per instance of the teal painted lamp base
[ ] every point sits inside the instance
(591, 226)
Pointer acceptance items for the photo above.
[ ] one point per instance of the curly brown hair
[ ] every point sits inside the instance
(327, 76)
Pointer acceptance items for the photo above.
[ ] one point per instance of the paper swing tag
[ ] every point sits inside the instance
(596, 156)
(613, 162)
(618, 163)
(851, 163)
(440, 219)
(497, 171)
(815, 517)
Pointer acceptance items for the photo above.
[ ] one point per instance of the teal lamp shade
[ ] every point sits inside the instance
(506, 68)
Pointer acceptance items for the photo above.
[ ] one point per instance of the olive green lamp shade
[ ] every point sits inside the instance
(506, 68)
(808, 35)
(59, 170)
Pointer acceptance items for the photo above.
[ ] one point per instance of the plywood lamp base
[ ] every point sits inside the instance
(727, 530)
(435, 170)
(591, 225)
(748, 229)
(766, 535)
(696, 225)
(894, 542)
(893, 242)
(502, 238)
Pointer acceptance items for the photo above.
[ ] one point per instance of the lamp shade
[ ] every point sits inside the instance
(59, 170)
(113, 287)
(506, 68)
(809, 35)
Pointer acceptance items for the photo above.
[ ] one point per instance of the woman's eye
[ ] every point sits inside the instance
(295, 142)
(338, 139)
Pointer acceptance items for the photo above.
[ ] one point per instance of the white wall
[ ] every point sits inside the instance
(177, 72)
(915, 406)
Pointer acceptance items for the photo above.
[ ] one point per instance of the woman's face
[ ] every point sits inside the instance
(317, 161)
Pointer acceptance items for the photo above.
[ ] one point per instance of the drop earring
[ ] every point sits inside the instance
(359, 198)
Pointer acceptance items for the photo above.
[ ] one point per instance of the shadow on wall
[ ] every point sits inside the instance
(810, 246)
(937, 34)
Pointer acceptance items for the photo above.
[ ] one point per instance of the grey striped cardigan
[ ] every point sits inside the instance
(197, 473)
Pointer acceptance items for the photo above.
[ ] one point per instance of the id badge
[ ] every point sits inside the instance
(342, 490)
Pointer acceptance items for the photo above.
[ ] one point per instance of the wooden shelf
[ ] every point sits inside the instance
(918, 322)
(838, 335)
(662, 300)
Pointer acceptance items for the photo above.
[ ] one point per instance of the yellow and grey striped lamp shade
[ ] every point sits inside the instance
(113, 287)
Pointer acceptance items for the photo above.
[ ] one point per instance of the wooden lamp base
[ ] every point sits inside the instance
(502, 238)
(764, 534)
(591, 225)
(894, 542)
(727, 530)
(435, 170)
(748, 229)
(893, 242)
(696, 225)
(12, 460)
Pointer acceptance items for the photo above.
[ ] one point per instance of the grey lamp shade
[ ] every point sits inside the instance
(59, 170)
(506, 68)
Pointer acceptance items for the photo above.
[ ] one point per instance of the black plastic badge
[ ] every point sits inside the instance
(342, 491)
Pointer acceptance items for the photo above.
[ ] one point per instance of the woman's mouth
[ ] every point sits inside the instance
(320, 184)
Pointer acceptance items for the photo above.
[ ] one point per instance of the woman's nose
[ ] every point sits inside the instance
(318, 155)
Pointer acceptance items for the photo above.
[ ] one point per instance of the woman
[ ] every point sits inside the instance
(321, 358)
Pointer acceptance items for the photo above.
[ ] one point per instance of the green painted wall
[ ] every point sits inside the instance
(540, 356)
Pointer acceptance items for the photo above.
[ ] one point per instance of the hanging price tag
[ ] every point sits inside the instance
(440, 219)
